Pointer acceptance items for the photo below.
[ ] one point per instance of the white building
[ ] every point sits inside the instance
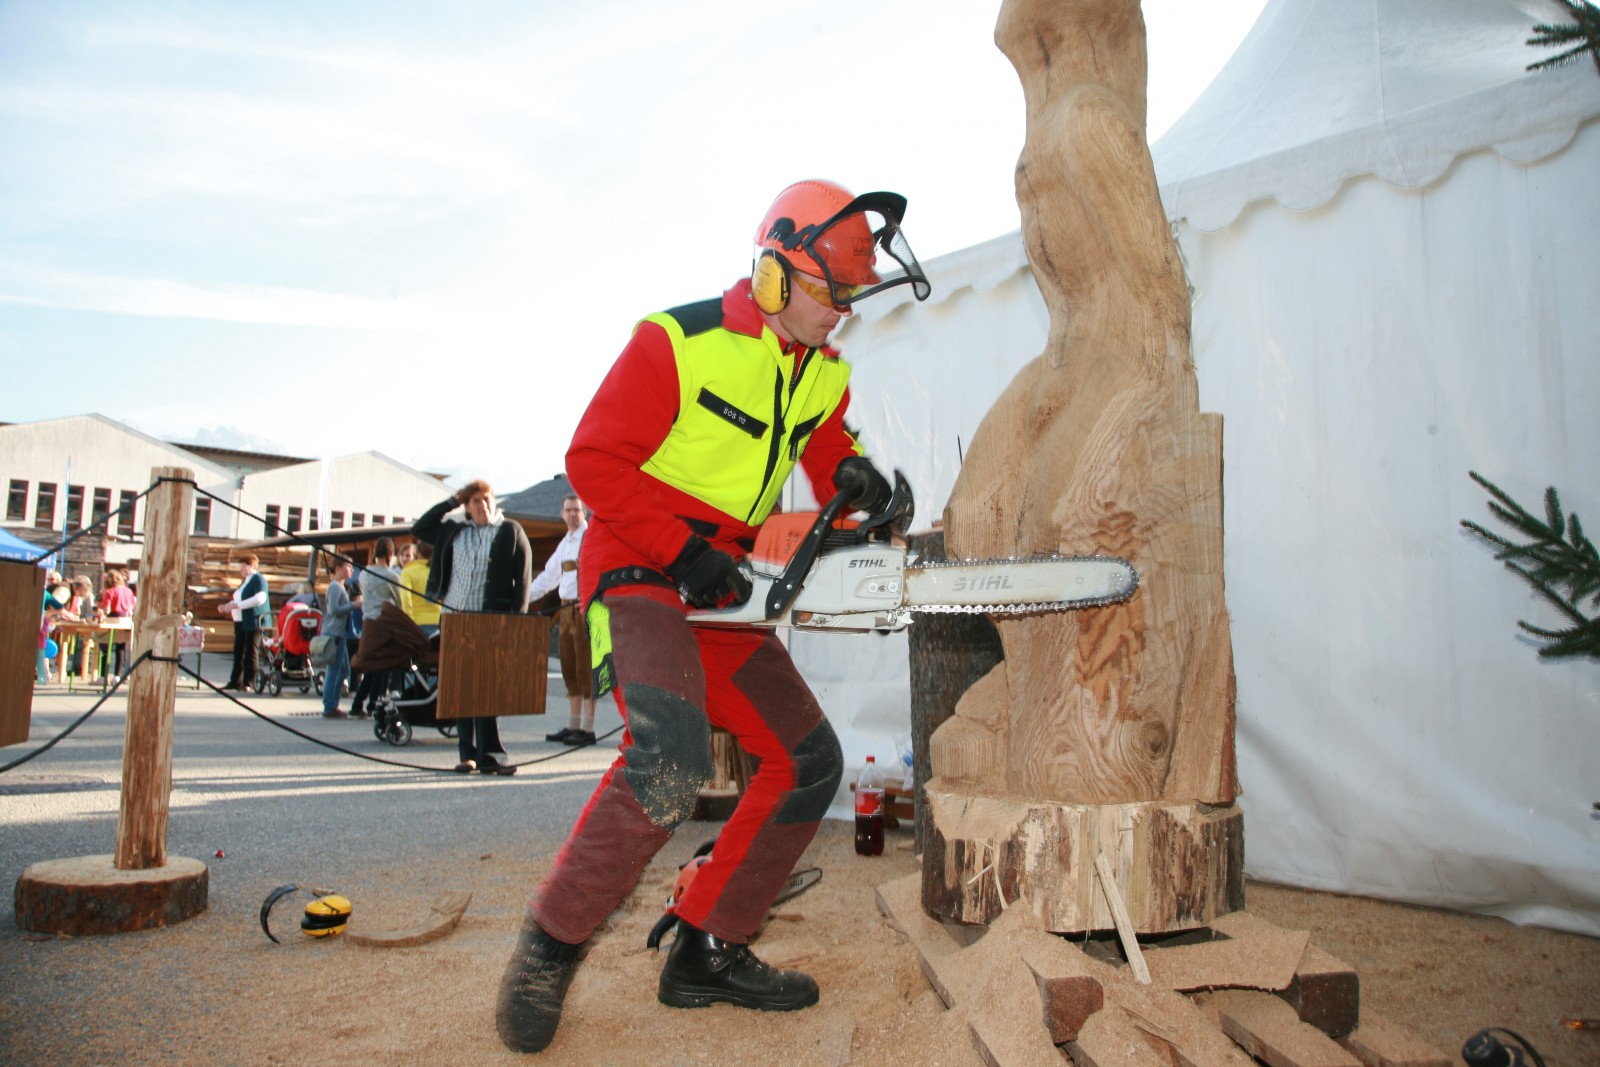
(61, 473)
(362, 489)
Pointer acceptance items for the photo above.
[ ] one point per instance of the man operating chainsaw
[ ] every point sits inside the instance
(681, 456)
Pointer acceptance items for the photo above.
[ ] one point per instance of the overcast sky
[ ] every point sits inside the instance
(320, 227)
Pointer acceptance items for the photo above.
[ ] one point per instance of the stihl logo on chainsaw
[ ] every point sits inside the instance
(981, 584)
(870, 561)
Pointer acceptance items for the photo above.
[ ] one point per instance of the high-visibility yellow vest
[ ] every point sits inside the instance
(743, 416)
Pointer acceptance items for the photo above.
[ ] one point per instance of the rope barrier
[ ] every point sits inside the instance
(48, 745)
(143, 656)
(362, 755)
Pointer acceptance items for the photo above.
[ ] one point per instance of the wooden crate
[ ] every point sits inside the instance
(21, 594)
(492, 664)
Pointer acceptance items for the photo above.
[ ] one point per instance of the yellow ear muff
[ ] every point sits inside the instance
(326, 916)
(769, 282)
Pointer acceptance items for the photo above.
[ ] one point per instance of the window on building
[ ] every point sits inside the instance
(74, 507)
(316, 519)
(337, 521)
(17, 501)
(129, 502)
(377, 520)
(272, 527)
(102, 504)
(44, 506)
(202, 516)
(294, 520)
(358, 519)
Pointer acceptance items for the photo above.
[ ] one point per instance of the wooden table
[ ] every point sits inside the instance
(107, 630)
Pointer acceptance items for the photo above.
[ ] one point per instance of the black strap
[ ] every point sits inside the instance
(630, 576)
(724, 410)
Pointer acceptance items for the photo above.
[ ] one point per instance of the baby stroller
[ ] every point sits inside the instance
(392, 642)
(286, 655)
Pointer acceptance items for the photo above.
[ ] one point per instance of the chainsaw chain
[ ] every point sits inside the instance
(1022, 609)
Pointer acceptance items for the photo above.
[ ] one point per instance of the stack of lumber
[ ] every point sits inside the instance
(1241, 992)
(214, 573)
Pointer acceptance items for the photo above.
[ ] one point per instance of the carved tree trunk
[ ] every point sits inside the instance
(1106, 730)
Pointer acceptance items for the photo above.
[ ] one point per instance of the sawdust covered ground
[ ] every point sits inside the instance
(214, 991)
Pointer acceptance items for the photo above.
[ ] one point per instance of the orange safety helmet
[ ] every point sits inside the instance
(852, 242)
(797, 225)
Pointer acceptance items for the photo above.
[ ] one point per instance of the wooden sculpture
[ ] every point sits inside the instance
(1105, 732)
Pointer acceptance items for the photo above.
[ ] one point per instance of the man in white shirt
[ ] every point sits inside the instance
(560, 575)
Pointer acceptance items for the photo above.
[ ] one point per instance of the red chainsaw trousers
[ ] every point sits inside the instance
(673, 682)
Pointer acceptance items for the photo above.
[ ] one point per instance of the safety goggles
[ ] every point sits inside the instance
(838, 298)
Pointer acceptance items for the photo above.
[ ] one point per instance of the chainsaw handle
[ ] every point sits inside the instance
(894, 518)
(787, 585)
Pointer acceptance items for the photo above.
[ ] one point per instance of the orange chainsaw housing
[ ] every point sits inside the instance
(780, 536)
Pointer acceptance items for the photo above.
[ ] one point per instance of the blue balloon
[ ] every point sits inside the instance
(51, 648)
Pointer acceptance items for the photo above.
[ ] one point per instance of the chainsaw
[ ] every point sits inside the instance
(811, 574)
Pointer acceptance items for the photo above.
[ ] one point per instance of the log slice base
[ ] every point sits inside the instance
(90, 895)
(1177, 866)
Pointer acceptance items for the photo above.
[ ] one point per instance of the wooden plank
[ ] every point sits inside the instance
(1113, 1039)
(1130, 940)
(21, 593)
(1268, 1029)
(1326, 992)
(492, 664)
(1067, 999)
(1262, 958)
(1380, 1043)
(1008, 1031)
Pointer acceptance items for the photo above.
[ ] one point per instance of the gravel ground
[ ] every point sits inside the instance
(262, 807)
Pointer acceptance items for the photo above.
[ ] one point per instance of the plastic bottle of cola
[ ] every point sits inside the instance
(869, 810)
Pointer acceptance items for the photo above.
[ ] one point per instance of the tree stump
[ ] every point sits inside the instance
(948, 652)
(91, 895)
(1110, 729)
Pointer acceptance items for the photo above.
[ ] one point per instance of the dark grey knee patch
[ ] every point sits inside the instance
(818, 767)
(669, 761)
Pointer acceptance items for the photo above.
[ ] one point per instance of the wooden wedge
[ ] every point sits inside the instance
(446, 911)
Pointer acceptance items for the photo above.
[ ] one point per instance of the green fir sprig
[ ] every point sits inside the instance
(1558, 561)
(1583, 33)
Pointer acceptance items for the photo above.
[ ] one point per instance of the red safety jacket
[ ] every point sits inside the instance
(694, 431)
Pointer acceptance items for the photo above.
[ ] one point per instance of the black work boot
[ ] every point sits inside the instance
(535, 983)
(702, 969)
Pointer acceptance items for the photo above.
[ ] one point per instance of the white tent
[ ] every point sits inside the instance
(1390, 228)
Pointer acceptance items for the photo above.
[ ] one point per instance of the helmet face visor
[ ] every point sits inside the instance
(862, 251)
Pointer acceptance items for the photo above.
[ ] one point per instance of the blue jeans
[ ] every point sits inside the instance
(338, 671)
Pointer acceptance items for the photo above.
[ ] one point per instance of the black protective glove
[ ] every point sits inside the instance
(707, 577)
(871, 491)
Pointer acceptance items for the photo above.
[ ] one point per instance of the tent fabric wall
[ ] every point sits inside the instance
(1321, 91)
(1397, 737)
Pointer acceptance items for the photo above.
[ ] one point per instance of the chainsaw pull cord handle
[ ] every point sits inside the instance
(896, 515)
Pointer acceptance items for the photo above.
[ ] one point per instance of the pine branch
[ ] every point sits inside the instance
(1558, 561)
(1584, 32)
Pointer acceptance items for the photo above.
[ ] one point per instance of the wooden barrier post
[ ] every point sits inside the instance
(147, 743)
(140, 886)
